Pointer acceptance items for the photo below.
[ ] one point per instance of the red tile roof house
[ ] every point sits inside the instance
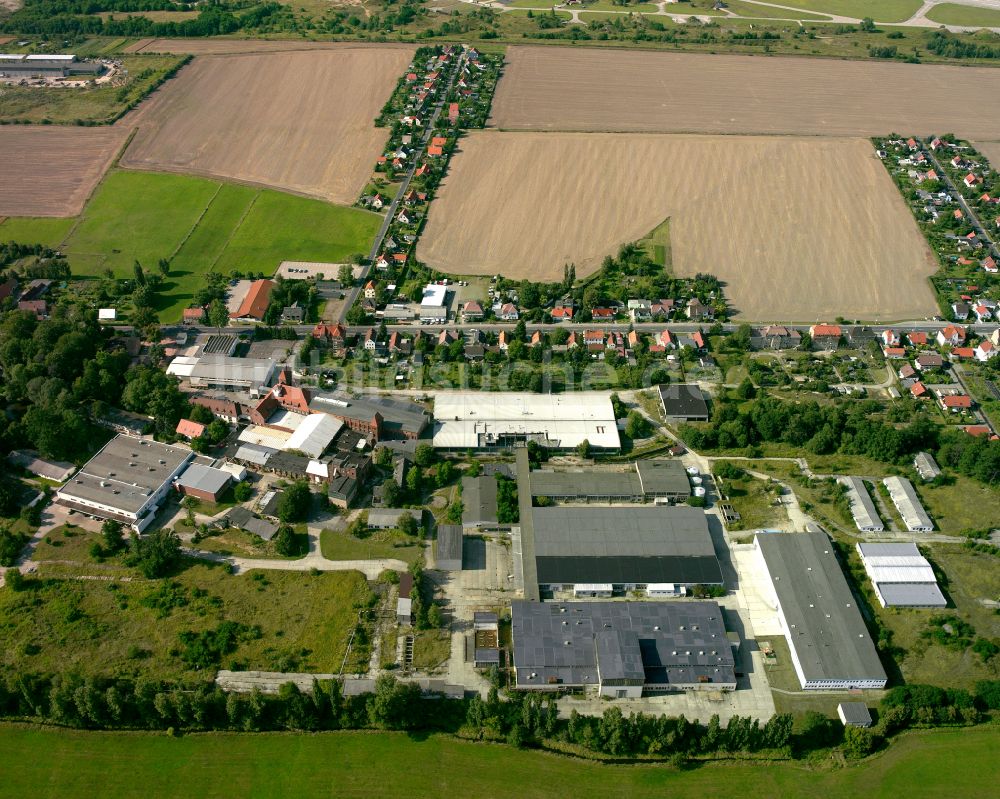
(825, 335)
(952, 335)
(453, 113)
(509, 312)
(255, 304)
(37, 307)
(906, 371)
(472, 311)
(989, 264)
(602, 314)
(890, 338)
(962, 353)
(918, 389)
(593, 340)
(894, 352)
(917, 339)
(562, 313)
(977, 430)
(193, 315)
(665, 340)
(985, 351)
(971, 180)
(189, 429)
(503, 340)
(956, 402)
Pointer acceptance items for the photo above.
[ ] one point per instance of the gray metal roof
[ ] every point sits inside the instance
(862, 508)
(556, 485)
(254, 453)
(479, 500)
(581, 643)
(449, 542)
(904, 497)
(919, 595)
(926, 466)
(397, 414)
(824, 625)
(389, 517)
(663, 476)
(204, 478)
(855, 713)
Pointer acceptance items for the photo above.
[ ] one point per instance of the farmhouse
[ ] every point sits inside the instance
(683, 402)
(830, 646)
(255, 303)
(905, 498)
(501, 420)
(624, 649)
(901, 576)
(866, 518)
(126, 481)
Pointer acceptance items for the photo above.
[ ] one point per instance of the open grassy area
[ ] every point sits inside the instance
(769, 12)
(337, 545)
(109, 625)
(755, 501)
(199, 225)
(431, 648)
(880, 11)
(955, 14)
(347, 765)
(100, 104)
(657, 245)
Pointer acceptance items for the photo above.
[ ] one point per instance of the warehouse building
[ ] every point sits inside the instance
(126, 481)
(601, 550)
(901, 576)
(479, 504)
(19, 65)
(623, 649)
(203, 482)
(866, 517)
(647, 480)
(378, 418)
(252, 375)
(502, 420)
(926, 466)
(683, 402)
(904, 497)
(448, 553)
(830, 645)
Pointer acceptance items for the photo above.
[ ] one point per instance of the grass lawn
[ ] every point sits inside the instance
(769, 12)
(753, 499)
(106, 627)
(657, 245)
(955, 14)
(200, 225)
(98, 104)
(36, 230)
(240, 544)
(431, 649)
(337, 545)
(880, 11)
(360, 764)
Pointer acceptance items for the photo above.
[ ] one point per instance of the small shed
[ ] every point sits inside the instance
(854, 714)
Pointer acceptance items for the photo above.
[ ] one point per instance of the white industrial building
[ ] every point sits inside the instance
(866, 517)
(221, 371)
(830, 645)
(488, 420)
(434, 304)
(904, 497)
(126, 481)
(901, 576)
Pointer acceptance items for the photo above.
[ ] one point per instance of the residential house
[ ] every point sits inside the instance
(562, 313)
(917, 339)
(962, 353)
(536, 339)
(929, 360)
(593, 340)
(894, 352)
(907, 372)
(371, 292)
(919, 390)
(193, 316)
(890, 338)
(985, 350)
(602, 314)
(333, 335)
(826, 337)
(472, 311)
(39, 308)
(990, 264)
(640, 310)
(983, 313)
(186, 428)
(698, 310)
(508, 312)
(665, 340)
(503, 340)
(951, 336)
(779, 337)
(370, 339)
(956, 403)
(960, 310)
(661, 308)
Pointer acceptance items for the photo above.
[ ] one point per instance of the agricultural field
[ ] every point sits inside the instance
(218, 46)
(991, 149)
(51, 171)
(110, 626)
(298, 121)
(745, 209)
(93, 105)
(589, 89)
(360, 764)
(200, 226)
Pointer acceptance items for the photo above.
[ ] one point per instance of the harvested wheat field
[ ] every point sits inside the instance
(577, 89)
(211, 46)
(51, 171)
(800, 229)
(991, 149)
(300, 121)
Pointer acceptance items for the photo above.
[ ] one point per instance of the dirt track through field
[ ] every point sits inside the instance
(297, 121)
(51, 171)
(801, 229)
(580, 89)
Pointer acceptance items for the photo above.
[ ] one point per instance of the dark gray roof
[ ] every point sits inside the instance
(491, 655)
(479, 500)
(581, 643)
(683, 399)
(855, 713)
(243, 519)
(663, 476)
(824, 625)
(204, 478)
(585, 484)
(919, 595)
(485, 617)
(449, 542)
(398, 415)
(599, 544)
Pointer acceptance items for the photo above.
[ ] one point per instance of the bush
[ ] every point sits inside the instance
(156, 554)
(242, 491)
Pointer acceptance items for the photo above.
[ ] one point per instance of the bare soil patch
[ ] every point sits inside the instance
(579, 89)
(800, 229)
(297, 121)
(991, 149)
(51, 171)
(212, 46)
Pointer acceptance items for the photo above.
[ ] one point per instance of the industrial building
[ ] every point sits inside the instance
(904, 497)
(830, 645)
(901, 576)
(378, 418)
(866, 517)
(434, 303)
(20, 65)
(502, 420)
(479, 503)
(683, 402)
(448, 552)
(926, 466)
(623, 649)
(658, 478)
(203, 482)
(252, 375)
(601, 550)
(126, 481)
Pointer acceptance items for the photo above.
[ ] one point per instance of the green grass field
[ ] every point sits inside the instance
(337, 545)
(657, 245)
(769, 12)
(880, 10)
(955, 14)
(199, 225)
(65, 764)
(106, 627)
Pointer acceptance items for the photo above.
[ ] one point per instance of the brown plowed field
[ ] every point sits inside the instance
(579, 89)
(210, 46)
(51, 171)
(298, 121)
(800, 229)
(991, 149)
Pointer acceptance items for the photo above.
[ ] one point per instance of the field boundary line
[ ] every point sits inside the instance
(236, 227)
(197, 222)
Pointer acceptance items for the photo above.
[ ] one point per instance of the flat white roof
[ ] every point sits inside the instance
(314, 434)
(462, 417)
(434, 295)
(265, 437)
(904, 497)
